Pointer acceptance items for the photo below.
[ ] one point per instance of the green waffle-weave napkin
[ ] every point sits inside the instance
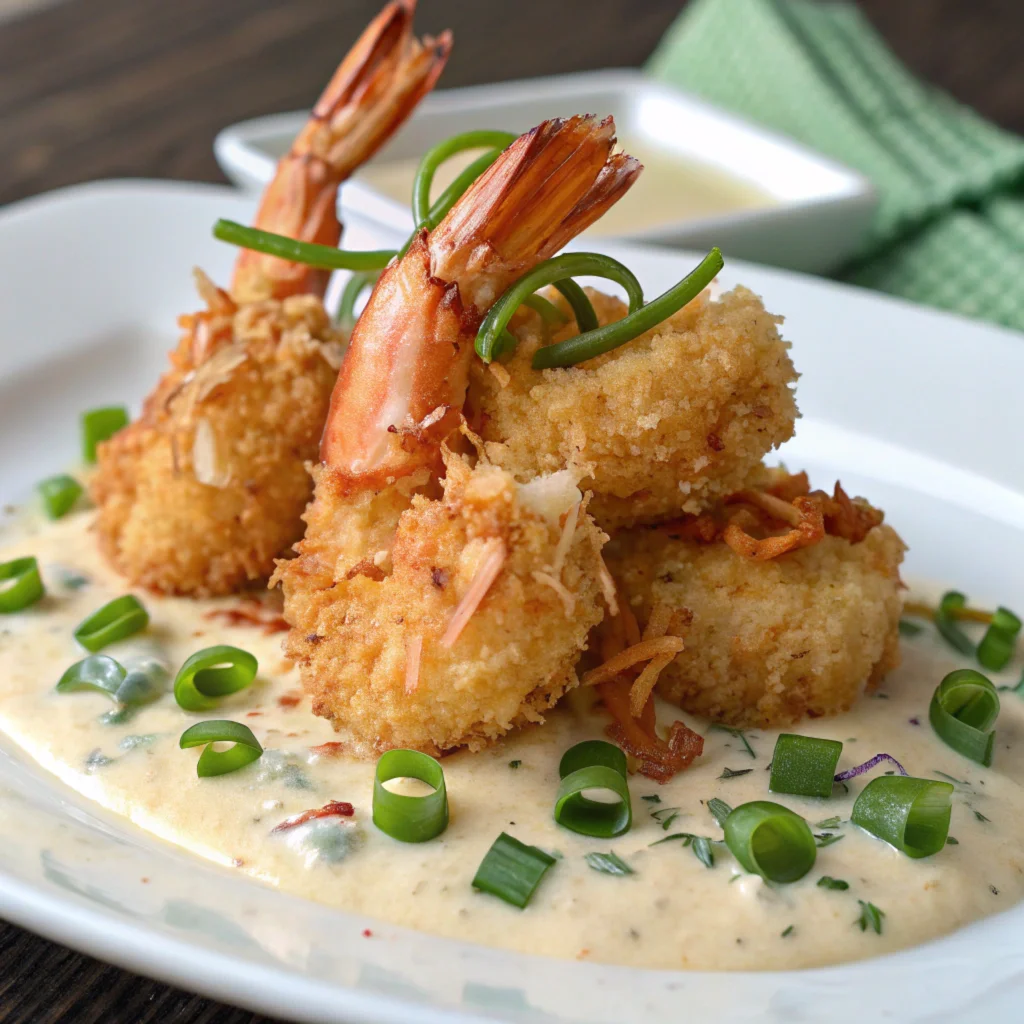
(949, 230)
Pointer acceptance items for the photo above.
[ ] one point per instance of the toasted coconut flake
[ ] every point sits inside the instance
(367, 568)
(565, 539)
(413, 652)
(644, 650)
(207, 465)
(501, 374)
(643, 685)
(217, 370)
(333, 353)
(487, 572)
(657, 624)
(216, 299)
(566, 596)
(632, 627)
(607, 587)
(775, 507)
(811, 530)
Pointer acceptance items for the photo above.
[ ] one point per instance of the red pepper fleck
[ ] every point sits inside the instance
(290, 700)
(367, 933)
(331, 749)
(336, 808)
(253, 714)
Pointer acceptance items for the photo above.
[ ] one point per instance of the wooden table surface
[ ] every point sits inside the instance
(110, 88)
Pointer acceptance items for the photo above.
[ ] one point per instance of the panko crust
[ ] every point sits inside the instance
(665, 424)
(256, 399)
(355, 613)
(768, 643)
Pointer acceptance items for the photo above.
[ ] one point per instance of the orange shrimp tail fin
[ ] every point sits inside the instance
(371, 94)
(551, 184)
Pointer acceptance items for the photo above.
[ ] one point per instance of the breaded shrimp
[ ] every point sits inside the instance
(432, 613)
(768, 638)
(666, 424)
(202, 492)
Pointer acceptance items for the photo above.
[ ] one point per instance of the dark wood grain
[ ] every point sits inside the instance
(106, 88)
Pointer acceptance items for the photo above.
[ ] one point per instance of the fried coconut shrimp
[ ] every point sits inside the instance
(787, 602)
(202, 492)
(436, 603)
(666, 424)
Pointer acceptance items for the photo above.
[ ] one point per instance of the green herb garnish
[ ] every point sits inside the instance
(870, 917)
(719, 809)
(609, 863)
(738, 734)
(828, 882)
(731, 773)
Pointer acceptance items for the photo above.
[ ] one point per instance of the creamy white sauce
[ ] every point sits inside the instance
(673, 913)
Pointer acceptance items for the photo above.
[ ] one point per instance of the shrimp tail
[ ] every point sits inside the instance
(375, 88)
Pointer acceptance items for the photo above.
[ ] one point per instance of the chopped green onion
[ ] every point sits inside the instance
(638, 321)
(945, 621)
(511, 870)
(827, 839)
(907, 813)
(212, 673)
(59, 494)
(910, 628)
(593, 764)
(101, 425)
(114, 621)
(211, 762)
(963, 710)
(552, 271)
(771, 841)
(608, 863)
(703, 851)
(20, 584)
(547, 310)
(828, 882)
(354, 287)
(326, 257)
(870, 917)
(97, 672)
(719, 809)
(410, 819)
(1000, 640)
(436, 155)
(804, 765)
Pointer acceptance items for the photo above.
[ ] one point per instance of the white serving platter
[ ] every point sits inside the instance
(820, 209)
(899, 401)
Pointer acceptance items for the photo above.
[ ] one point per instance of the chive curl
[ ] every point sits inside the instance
(549, 313)
(212, 673)
(910, 814)
(804, 765)
(325, 257)
(116, 620)
(100, 425)
(59, 494)
(212, 762)
(20, 584)
(410, 819)
(963, 710)
(593, 765)
(638, 321)
(354, 287)
(945, 622)
(771, 841)
(511, 870)
(1000, 640)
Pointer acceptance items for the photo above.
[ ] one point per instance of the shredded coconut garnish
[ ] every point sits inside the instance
(565, 539)
(217, 370)
(207, 465)
(607, 587)
(413, 650)
(333, 353)
(501, 374)
(486, 573)
(775, 507)
(644, 683)
(566, 596)
(657, 624)
(645, 650)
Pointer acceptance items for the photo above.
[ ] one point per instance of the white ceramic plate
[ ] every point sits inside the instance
(917, 409)
(821, 209)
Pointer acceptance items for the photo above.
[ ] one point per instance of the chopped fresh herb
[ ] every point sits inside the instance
(948, 778)
(738, 734)
(735, 878)
(881, 696)
(652, 798)
(827, 839)
(828, 823)
(514, 764)
(910, 628)
(703, 852)
(979, 816)
(828, 882)
(664, 816)
(732, 773)
(720, 810)
(953, 603)
(992, 889)
(870, 917)
(609, 863)
(952, 841)
(787, 932)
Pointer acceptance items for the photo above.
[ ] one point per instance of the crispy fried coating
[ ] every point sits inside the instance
(665, 424)
(204, 490)
(369, 620)
(767, 642)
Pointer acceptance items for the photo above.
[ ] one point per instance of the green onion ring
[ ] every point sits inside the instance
(582, 307)
(1000, 640)
(326, 257)
(436, 155)
(804, 765)
(511, 870)
(771, 841)
(212, 762)
(593, 764)
(25, 588)
(114, 621)
(97, 673)
(910, 814)
(59, 494)
(354, 287)
(594, 343)
(952, 602)
(212, 673)
(553, 271)
(101, 425)
(546, 310)
(409, 819)
(963, 710)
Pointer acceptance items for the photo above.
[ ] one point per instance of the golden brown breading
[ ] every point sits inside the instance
(358, 613)
(206, 489)
(665, 424)
(768, 642)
